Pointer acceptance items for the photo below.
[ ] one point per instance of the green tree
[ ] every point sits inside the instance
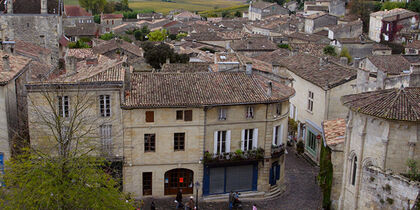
(181, 35)
(388, 5)
(156, 55)
(93, 6)
(79, 44)
(61, 171)
(97, 19)
(345, 53)
(158, 35)
(225, 14)
(329, 50)
(238, 14)
(142, 33)
(107, 36)
(325, 176)
(414, 6)
(362, 9)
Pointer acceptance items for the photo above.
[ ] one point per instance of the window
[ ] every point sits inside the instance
(311, 141)
(353, 176)
(150, 116)
(185, 115)
(63, 106)
(278, 109)
(311, 101)
(105, 105)
(278, 135)
(248, 139)
(249, 112)
(149, 142)
(221, 142)
(179, 115)
(222, 114)
(179, 141)
(106, 140)
(112, 22)
(147, 183)
(107, 22)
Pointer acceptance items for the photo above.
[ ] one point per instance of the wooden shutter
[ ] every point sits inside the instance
(150, 116)
(255, 140)
(188, 115)
(242, 139)
(280, 138)
(228, 141)
(215, 142)
(274, 135)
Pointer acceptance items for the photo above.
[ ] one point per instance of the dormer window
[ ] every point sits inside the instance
(249, 112)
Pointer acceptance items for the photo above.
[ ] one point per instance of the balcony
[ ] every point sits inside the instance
(238, 156)
(277, 150)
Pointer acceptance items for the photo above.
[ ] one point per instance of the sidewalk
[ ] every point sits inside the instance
(302, 191)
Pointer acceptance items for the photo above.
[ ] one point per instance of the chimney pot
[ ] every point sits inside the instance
(6, 63)
(44, 6)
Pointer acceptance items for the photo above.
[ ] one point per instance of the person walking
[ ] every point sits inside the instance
(190, 204)
(153, 206)
(179, 199)
(254, 207)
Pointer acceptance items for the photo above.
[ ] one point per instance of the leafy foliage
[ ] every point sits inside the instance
(130, 15)
(362, 9)
(142, 33)
(388, 5)
(126, 38)
(345, 53)
(413, 170)
(76, 183)
(325, 176)
(97, 19)
(79, 44)
(156, 55)
(329, 50)
(414, 6)
(94, 6)
(181, 35)
(238, 14)
(158, 35)
(279, 2)
(284, 46)
(107, 36)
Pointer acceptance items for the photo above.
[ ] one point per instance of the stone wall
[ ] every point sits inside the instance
(383, 190)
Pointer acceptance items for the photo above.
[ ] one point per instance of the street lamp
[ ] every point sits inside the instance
(197, 185)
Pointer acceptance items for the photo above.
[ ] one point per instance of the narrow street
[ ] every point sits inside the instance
(302, 191)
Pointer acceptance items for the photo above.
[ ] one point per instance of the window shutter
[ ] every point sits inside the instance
(188, 115)
(274, 135)
(215, 142)
(150, 116)
(228, 141)
(296, 114)
(291, 111)
(242, 139)
(280, 138)
(277, 172)
(255, 140)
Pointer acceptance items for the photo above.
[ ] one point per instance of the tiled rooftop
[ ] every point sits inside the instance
(17, 64)
(75, 11)
(107, 46)
(334, 131)
(392, 104)
(30, 49)
(391, 64)
(200, 89)
(254, 44)
(185, 67)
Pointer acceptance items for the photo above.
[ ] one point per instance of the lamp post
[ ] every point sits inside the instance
(197, 185)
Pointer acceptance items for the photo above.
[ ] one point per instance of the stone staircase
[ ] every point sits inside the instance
(275, 191)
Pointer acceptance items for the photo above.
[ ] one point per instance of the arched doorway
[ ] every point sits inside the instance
(179, 178)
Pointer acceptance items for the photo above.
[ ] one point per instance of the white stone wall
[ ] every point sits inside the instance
(375, 25)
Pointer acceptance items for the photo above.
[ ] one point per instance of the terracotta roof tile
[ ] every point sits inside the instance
(391, 64)
(200, 89)
(185, 67)
(30, 50)
(334, 131)
(75, 11)
(111, 16)
(414, 44)
(107, 46)
(80, 53)
(254, 44)
(17, 65)
(392, 104)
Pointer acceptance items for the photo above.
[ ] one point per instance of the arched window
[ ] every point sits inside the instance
(354, 169)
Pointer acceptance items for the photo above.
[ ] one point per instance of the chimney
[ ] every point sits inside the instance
(356, 62)
(415, 75)
(9, 6)
(9, 47)
(44, 7)
(344, 61)
(270, 89)
(362, 81)
(248, 70)
(127, 77)
(276, 68)
(71, 65)
(6, 63)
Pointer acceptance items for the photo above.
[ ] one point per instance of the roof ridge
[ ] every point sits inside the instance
(366, 96)
(393, 101)
(410, 99)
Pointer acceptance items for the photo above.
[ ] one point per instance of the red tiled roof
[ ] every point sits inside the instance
(392, 104)
(200, 89)
(414, 44)
(334, 131)
(30, 50)
(107, 46)
(63, 41)
(391, 64)
(75, 11)
(16, 63)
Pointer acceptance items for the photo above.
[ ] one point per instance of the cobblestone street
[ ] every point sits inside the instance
(302, 191)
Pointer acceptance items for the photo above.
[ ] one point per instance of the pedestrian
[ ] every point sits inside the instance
(153, 206)
(254, 206)
(179, 199)
(190, 204)
(231, 200)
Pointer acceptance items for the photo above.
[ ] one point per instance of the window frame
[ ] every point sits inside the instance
(248, 142)
(312, 141)
(64, 106)
(249, 112)
(179, 141)
(353, 171)
(105, 105)
(149, 183)
(105, 133)
(310, 101)
(179, 115)
(221, 142)
(149, 142)
(188, 117)
(149, 116)
(222, 114)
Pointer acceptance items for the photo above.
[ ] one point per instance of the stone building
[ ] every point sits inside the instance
(74, 14)
(14, 72)
(318, 21)
(253, 46)
(349, 30)
(109, 21)
(259, 10)
(319, 84)
(117, 48)
(389, 25)
(333, 7)
(382, 134)
(35, 21)
(412, 47)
